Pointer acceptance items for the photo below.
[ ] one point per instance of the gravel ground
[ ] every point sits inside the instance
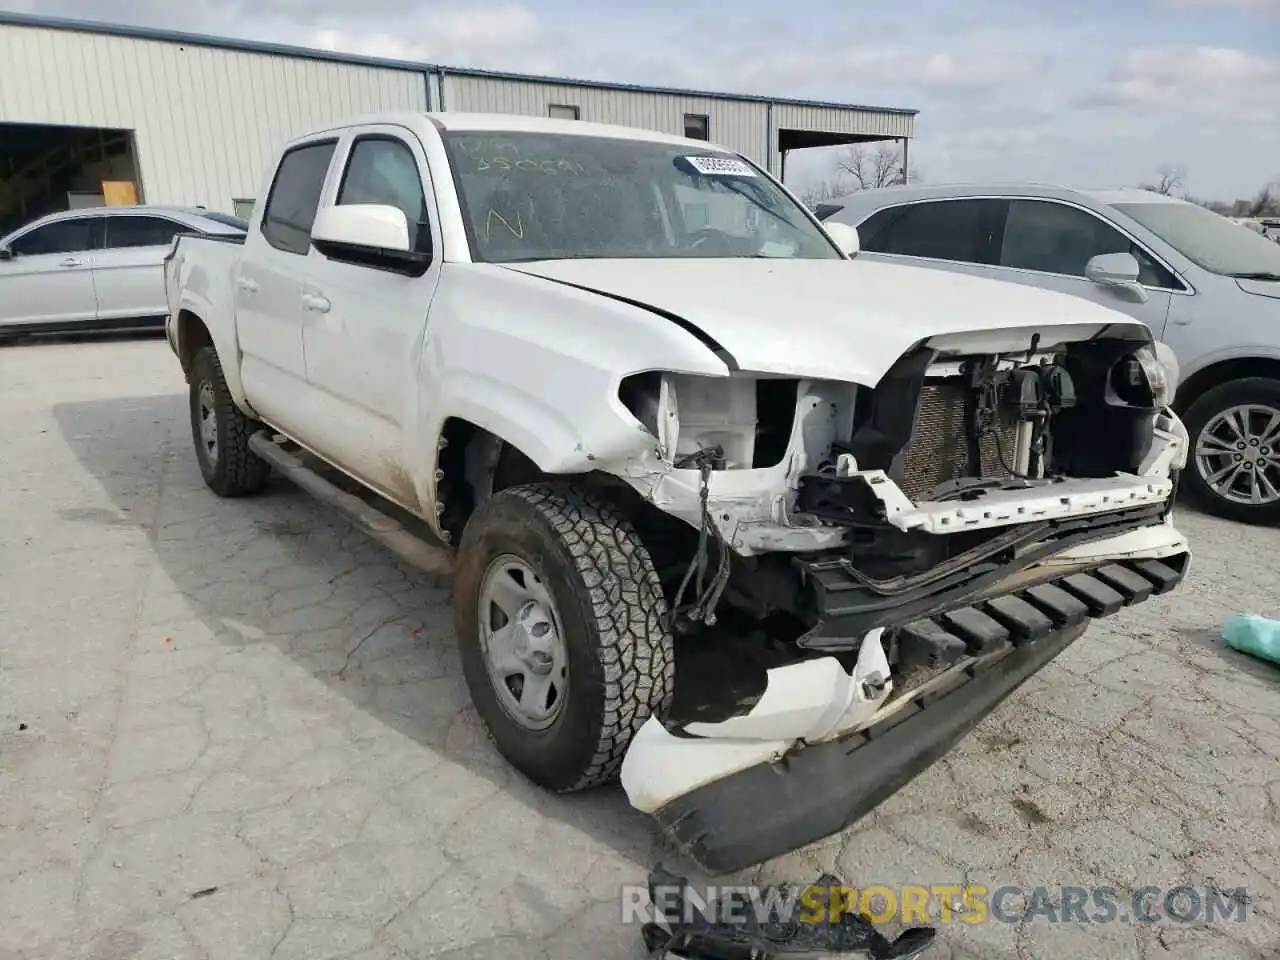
(239, 730)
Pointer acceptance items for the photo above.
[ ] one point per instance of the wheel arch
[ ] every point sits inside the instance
(473, 463)
(1219, 372)
(193, 333)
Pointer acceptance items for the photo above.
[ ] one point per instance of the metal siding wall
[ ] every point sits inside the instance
(206, 120)
(739, 125)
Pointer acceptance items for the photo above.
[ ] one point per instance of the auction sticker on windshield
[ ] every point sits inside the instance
(719, 166)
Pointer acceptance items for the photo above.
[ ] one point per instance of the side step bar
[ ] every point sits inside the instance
(410, 547)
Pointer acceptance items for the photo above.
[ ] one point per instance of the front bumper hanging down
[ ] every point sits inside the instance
(732, 802)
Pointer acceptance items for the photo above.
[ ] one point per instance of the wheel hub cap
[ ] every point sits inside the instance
(207, 409)
(1236, 454)
(520, 635)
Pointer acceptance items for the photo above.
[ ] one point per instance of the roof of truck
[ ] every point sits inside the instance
(519, 123)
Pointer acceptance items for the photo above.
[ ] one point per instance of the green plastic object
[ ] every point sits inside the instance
(1254, 635)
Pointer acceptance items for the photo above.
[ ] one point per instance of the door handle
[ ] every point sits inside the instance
(248, 286)
(313, 301)
(71, 262)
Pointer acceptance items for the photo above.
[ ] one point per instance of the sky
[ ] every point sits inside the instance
(1082, 92)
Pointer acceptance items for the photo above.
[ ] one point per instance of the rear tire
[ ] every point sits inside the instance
(221, 432)
(1249, 404)
(581, 586)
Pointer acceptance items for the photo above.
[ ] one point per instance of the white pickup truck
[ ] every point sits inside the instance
(759, 526)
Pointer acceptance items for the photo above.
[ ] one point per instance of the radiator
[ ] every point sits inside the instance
(939, 451)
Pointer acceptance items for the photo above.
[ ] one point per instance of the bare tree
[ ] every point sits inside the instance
(861, 168)
(1265, 202)
(873, 168)
(1169, 179)
(823, 191)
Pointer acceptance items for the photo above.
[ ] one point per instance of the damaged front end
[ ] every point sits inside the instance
(860, 575)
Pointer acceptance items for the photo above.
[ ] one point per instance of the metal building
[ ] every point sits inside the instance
(94, 114)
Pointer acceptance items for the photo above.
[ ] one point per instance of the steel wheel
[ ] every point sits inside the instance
(207, 409)
(1238, 454)
(522, 641)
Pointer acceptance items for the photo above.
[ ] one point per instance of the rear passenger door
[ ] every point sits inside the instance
(362, 326)
(268, 288)
(960, 235)
(128, 272)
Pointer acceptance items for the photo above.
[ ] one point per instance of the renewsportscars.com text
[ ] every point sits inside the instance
(945, 903)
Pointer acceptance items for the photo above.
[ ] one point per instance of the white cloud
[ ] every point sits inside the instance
(507, 37)
(1271, 7)
(1205, 84)
(883, 71)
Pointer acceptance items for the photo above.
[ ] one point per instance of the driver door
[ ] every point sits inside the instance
(363, 327)
(48, 279)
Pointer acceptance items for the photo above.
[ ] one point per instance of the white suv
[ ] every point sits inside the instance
(101, 268)
(1204, 286)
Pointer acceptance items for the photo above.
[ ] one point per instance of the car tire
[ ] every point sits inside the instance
(221, 432)
(1211, 435)
(590, 586)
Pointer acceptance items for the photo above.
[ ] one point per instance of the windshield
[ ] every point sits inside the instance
(538, 196)
(1207, 239)
(226, 219)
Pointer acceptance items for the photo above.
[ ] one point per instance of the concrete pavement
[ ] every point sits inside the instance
(239, 730)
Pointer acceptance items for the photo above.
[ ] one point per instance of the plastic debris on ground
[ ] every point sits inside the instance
(1254, 635)
(728, 930)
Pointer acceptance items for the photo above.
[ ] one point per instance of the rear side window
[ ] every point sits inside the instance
(64, 236)
(966, 231)
(140, 232)
(869, 229)
(295, 196)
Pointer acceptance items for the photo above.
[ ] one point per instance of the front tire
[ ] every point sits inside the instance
(562, 624)
(221, 432)
(1233, 467)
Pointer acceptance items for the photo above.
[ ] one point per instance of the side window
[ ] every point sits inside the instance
(1056, 238)
(140, 231)
(383, 170)
(64, 236)
(295, 195)
(961, 230)
(869, 229)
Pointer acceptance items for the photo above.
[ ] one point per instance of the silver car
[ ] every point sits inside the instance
(1206, 287)
(100, 268)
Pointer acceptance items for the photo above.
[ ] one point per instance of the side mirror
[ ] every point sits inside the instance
(370, 234)
(5, 253)
(845, 236)
(824, 211)
(1119, 271)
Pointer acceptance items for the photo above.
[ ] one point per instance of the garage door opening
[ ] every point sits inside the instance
(46, 169)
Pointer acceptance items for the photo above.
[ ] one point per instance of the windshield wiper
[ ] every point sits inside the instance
(1256, 275)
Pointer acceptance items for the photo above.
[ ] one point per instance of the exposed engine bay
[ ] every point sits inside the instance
(817, 513)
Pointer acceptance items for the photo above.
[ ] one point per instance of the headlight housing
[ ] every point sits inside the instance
(1148, 377)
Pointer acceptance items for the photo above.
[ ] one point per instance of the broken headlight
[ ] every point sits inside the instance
(1148, 377)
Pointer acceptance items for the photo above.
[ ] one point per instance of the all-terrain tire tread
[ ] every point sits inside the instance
(242, 472)
(635, 647)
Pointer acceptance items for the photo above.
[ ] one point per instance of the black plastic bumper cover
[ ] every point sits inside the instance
(773, 808)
